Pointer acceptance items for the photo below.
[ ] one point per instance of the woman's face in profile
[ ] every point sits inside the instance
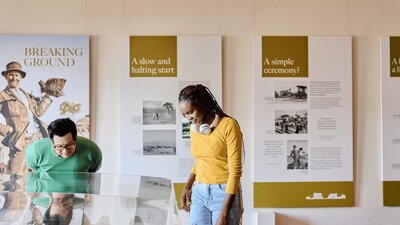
(191, 112)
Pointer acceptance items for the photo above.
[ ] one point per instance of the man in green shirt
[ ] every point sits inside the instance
(63, 151)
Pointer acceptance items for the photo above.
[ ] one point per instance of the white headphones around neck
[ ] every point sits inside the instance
(205, 128)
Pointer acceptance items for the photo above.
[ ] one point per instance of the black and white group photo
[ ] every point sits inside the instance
(290, 121)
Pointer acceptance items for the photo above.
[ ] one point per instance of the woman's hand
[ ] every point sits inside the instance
(186, 196)
(222, 220)
(185, 199)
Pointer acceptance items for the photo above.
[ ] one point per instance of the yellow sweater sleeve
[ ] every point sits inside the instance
(194, 167)
(194, 163)
(234, 153)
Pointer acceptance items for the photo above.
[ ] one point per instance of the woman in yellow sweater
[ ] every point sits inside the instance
(212, 193)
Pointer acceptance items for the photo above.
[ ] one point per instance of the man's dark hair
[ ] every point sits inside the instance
(61, 127)
(57, 219)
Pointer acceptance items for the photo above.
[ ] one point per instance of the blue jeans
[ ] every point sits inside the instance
(206, 203)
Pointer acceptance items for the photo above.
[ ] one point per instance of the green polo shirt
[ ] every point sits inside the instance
(61, 182)
(41, 157)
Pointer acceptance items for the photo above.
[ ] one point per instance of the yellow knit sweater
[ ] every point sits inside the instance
(218, 156)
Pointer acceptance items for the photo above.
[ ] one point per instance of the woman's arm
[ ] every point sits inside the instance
(223, 215)
(234, 156)
(234, 153)
(186, 193)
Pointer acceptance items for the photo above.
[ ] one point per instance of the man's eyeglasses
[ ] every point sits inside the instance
(69, 146)
(64, 202)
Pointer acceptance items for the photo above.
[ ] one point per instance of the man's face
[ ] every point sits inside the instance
(64, 146)
(61, 204)
(13, 78)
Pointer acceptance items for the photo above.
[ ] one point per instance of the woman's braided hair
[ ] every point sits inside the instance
(201, 97)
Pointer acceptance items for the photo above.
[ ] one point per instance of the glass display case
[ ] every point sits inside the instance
(86, 198)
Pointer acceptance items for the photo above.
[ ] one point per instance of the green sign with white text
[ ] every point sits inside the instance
(153, 56)
(284, 56)
(395, 56)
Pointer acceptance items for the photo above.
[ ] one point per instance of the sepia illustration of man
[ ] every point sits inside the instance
(21, 112)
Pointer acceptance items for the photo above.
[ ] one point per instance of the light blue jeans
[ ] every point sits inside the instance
(206, 203)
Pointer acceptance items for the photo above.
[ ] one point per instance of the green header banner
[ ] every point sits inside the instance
(284, 56)
(178, 189)
(303, 194)
(394, 56)
(391, 193)
(153, 56)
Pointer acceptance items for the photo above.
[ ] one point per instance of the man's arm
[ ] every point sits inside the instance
(4, 129)
(31, 158)
(40, 106)
(97, 158)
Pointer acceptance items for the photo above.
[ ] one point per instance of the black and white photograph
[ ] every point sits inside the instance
(159, 112)
(287, 92)
(291, 122)
(155, 188)
(185, 128)
(297, 154)
(159, 142)
(150, 212)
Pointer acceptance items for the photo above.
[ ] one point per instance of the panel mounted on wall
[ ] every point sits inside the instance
(54, 83)
(390, 81)
(302, 121)
(154, 134)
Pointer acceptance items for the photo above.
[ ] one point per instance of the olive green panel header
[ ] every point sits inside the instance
(178, 188)
(391, 193)
(303, 194)
(394, 56)
(153, 56)
(284, 56)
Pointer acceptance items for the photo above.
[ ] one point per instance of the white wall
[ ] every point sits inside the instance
(106, 21)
